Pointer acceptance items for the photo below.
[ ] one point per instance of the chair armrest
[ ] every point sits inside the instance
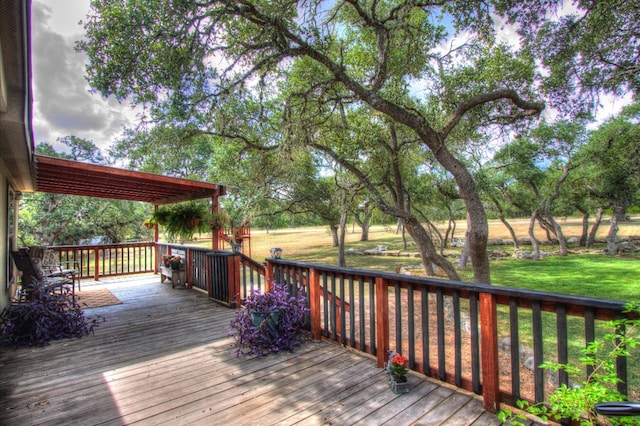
(618, 408)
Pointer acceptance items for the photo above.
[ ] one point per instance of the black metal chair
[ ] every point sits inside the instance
(32, 272)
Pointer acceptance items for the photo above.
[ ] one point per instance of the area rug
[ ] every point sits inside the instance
(95, 298)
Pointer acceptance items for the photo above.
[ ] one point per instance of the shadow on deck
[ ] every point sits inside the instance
(163, 356)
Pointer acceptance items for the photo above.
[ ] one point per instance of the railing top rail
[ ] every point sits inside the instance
(88, 246)
(247, 259)
(541, 296)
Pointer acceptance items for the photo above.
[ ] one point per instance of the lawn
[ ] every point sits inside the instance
(584, 274)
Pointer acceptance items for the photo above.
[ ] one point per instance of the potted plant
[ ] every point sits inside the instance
(176, 263)
(160, 216)
(270, 322)
(397, 368)
(171, 261)
(218, 220)
(186, 219)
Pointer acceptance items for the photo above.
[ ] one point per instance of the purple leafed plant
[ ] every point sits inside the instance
(270, 322)
(45, 315)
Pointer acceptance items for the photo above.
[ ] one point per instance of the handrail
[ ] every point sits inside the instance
(486, 339)
(103, 260)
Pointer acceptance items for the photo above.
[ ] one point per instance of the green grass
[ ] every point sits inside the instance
(592, 275)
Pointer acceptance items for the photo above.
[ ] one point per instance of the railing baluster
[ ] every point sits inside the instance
(352, 316)
(589, 332)
(411, 327)
(514, 329)
(457, 335)
(562, 336)
(426, 363)
(398, 307)
(325, 305)
(538, 373)
(441, 343)
(475, 342)
(332, 308)
(343, 313)
(361, 314)
(621, 364)
(373, 315)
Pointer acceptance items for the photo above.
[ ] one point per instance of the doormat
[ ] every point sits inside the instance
(95, 298)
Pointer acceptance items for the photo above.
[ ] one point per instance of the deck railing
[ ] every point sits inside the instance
(227, 277)
(486, 339)
(106, 260)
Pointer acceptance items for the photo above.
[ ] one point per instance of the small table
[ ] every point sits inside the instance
(178, 277)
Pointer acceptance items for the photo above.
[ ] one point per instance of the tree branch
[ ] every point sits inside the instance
(529, 108)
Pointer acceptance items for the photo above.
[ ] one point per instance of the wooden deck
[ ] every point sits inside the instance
(163, 357)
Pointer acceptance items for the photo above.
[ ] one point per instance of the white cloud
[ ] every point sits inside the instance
(63, 104)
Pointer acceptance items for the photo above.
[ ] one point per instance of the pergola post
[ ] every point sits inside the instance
(215, 234)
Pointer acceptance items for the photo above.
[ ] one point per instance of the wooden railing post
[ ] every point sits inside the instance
(314, 303)
(382, 321)
(96, 263)
(189, 267)
(489, 352)
(268, 276)
(234, 280)
(156, 258)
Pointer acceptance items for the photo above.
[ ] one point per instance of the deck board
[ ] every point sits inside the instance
(163, 357)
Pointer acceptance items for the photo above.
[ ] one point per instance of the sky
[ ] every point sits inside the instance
(63, 104)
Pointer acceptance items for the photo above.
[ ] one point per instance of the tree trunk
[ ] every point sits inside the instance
(342, 231)
(562, 241)
(594, 229)
(612, 244)
(364, 223)
(364, 235)
(514, 237)
(585, 226)
(448, 234)
(427, 250)
(334, 234)
(477, 226)
(554, 225)
(535, 244)
(619, 211)
(464, 256)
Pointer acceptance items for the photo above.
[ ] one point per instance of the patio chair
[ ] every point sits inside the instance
(52, 267)
(32, 271)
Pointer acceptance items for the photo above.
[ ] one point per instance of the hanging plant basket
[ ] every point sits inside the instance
(187, 219)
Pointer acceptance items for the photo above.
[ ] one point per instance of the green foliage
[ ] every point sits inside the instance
(612, 158)
(184, 220)
(587, 51)
(578, 400)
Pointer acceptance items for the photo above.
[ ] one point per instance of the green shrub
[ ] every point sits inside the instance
(578, 400)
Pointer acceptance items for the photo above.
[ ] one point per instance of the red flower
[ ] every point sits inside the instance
(399, 365)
